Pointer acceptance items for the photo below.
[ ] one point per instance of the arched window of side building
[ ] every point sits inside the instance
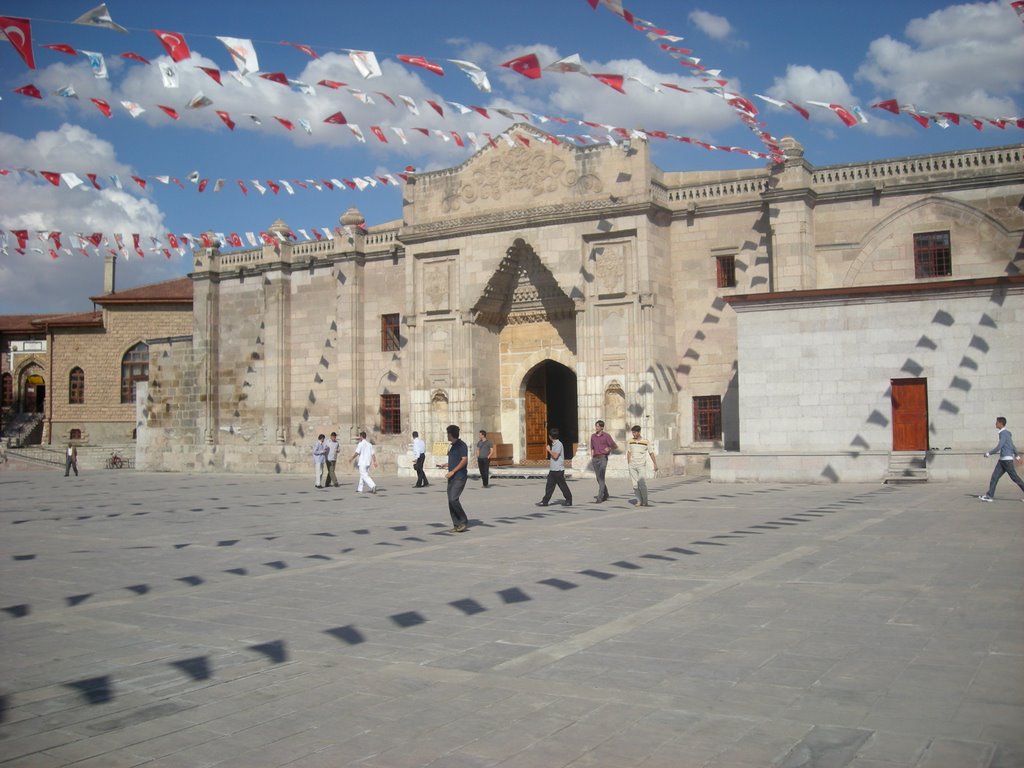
(76, 386)
(134, 368)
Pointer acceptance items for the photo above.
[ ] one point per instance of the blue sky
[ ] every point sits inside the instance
(966, 58)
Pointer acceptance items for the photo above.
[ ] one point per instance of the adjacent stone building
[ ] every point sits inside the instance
(540, 284)
(73, 377)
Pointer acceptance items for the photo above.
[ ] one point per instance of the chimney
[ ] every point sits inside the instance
(109, 270)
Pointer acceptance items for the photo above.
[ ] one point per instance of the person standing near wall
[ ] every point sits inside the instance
(601, 444)
(419, 455)
(1007, 453)
(637, 451)
(556, 470)
(71, 461)
(484, 454)
(319, 457)
(365, 457)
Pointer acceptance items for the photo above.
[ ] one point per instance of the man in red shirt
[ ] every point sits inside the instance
(601, 444)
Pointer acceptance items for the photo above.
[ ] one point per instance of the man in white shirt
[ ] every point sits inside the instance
(419, 455)
(364, 457)
(319, 455)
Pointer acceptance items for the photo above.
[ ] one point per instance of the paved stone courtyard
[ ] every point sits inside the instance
(198, 620)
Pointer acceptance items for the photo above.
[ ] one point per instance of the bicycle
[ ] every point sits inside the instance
(115, 461)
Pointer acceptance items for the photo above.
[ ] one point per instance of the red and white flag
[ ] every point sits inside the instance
(19, 32)
(103, 107)
(226, 118)
(419, 61)
(527, 66)
(174, 43)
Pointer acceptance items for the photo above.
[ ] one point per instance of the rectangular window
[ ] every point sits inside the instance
(726, 271)
(707, 418)
(932, 257)
(390, 414)
(389, 338)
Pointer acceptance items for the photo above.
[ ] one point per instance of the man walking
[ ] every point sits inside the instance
(601, 444)
(1007, 453)
(333, 446)
(556, 471)
(419, 455)
(458, 461)
(637, 451)
(484, 454)
(364, 457)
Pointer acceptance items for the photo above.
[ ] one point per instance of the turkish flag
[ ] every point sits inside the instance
(138, 248)
(337, 119)
(174, 43)
(890, 105)
(612, 81)
(95, 238)
(844, 115)
(213, 73)
(61, 48)
(527, 66)
(436, 106)
(286, 123)
(29, 90)
(953, 117)
(19, 32)
(134, 57)
(379, 133)
(419, 61)
(22, 235)
(102, 106)
(202, 184)
(140, 181)
(92, 178)
(305, 49)
(226, 118)
(274, 187)
(235, 240)
(277, 77)
(332, 84)
(50, 176)
(241, 186)
(170, 112)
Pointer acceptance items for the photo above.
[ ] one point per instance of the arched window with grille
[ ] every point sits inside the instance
(76, 386)
(134, 368)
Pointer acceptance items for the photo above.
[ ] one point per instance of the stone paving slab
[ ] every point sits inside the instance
(168, 620)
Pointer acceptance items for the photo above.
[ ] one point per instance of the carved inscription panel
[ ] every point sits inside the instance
(519, 176)
(436, 286)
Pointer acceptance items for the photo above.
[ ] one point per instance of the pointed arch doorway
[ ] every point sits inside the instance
(549, 400)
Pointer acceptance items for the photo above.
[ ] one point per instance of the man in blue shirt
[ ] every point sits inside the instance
(1007, 453)
(458, 460)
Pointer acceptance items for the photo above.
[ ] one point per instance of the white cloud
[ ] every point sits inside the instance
(35, 282)
(716, 27)
(963, 58)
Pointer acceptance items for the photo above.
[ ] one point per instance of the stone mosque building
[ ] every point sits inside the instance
(789, 322)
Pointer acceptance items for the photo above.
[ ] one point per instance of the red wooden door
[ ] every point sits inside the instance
(536, 416)
(909, 414)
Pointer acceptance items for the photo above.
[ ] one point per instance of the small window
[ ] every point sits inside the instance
(725, 267)
(932, 257)
(390, 414)
(76, 386)
(8, 391)
(389, 339)
(707, 418)
(76, 434)
(134, 368)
